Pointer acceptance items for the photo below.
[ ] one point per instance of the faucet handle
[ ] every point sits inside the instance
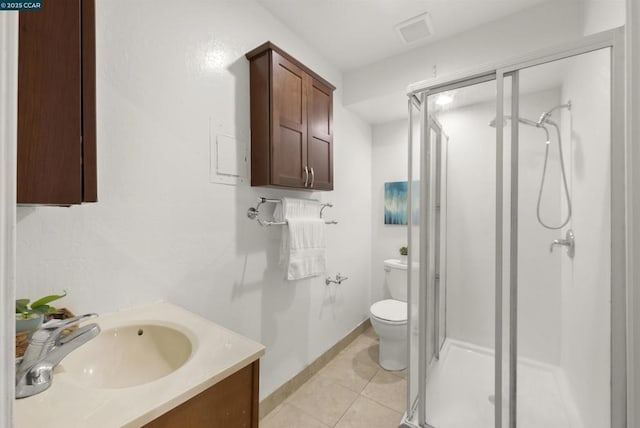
(51, 330)
(569, 242)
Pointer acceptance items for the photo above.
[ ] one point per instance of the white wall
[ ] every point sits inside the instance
(586, 285)
(602, 15)
(471, 231)
(168, 77)
(470, 223)
(389, 163)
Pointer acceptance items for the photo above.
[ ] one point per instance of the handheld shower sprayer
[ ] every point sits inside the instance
(545, 117)
(543, 121)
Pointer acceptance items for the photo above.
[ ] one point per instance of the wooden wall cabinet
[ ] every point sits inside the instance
(231, 403)
(291, 122)
(56, 104)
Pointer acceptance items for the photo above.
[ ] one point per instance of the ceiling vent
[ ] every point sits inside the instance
(415, 29)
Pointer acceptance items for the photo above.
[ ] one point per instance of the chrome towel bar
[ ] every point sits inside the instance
(254, 212)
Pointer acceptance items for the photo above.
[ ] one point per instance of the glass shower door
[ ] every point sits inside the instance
(413, 241)
(435, 292)
(564, 243)
(455, 283)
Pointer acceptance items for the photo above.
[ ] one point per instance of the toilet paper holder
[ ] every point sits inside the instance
(338, 280)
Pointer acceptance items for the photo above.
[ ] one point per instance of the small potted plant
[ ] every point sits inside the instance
(404, 251)
(30, 316)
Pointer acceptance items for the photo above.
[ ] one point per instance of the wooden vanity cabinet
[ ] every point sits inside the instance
(231, 403)
(57, 104)
(291, 122)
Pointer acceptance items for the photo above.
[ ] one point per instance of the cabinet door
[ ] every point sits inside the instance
(49, 105)
(320, 138)
(56, 104)
(231, 403)
(289, 123)
(89, 161)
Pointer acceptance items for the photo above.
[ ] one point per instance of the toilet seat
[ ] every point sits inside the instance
(390, 311)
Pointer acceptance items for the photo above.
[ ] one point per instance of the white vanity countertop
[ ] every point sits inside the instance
(217, 353)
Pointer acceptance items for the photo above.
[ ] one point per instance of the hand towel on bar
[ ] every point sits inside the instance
(306, 248)
(293, 208)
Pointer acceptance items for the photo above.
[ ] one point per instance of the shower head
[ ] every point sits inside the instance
(492, 123)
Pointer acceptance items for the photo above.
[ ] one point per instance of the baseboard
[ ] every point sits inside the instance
(278, 396)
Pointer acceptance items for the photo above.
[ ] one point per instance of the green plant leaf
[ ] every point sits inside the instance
(22, 305)
(43, 301)
(42, 309)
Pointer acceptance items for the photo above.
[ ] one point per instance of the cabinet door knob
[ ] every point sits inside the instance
(313, 177)
(306, 175)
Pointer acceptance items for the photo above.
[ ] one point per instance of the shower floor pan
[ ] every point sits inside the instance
(460, 391)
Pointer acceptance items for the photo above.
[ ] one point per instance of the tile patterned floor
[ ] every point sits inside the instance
(351, 391)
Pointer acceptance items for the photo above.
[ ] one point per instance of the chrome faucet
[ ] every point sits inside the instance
(47, 347)
(569, 242)
(338, 279)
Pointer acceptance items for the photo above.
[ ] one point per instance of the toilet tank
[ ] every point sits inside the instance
(396, 279)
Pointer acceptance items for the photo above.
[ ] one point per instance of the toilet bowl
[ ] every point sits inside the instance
(389, 318)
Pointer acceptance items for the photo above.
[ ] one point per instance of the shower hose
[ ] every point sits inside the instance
(544, 173)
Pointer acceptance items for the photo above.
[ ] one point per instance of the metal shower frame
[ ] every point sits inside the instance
(506, 286)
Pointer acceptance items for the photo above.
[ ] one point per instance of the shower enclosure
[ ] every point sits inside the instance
(516, 243)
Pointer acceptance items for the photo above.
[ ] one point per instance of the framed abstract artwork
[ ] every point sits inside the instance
(395, 202)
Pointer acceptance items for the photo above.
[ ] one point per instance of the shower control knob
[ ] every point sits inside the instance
(568, 242)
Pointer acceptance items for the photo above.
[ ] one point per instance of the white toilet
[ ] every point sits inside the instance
(389, 318)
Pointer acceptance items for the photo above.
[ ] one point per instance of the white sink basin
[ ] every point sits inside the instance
(128, 356)
(120, 379)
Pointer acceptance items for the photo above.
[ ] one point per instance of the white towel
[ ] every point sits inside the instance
(303, 244)
(296, 208)
(293, 208)
(307, 254)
